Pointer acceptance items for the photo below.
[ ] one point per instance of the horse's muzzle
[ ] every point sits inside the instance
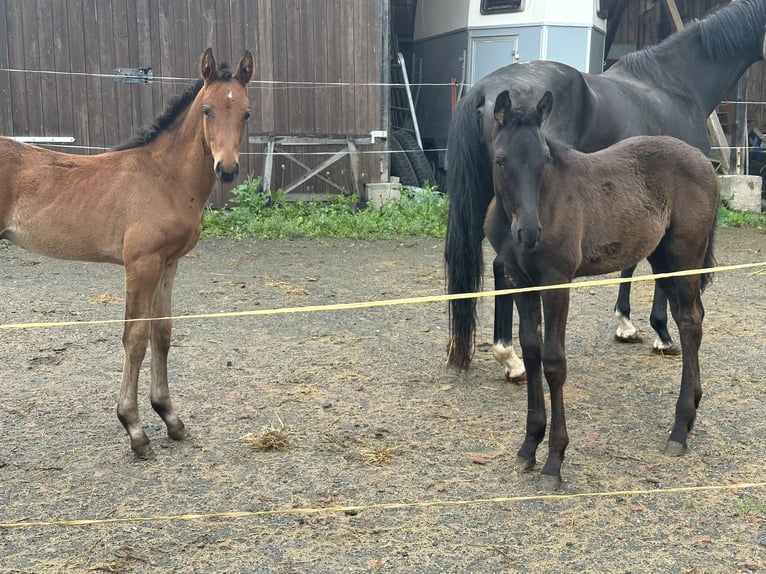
(224, 175)
(528, 238)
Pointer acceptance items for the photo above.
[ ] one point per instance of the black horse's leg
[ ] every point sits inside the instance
(626, 331)
(663, 344)
(686, 306)
(502, 347)
(555, 309)
(531, 348)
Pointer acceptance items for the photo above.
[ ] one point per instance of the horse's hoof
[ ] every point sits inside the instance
(516, 377)
(666, 349)
(525, 464)
(674, 448)
(549, 483)
(634, 337)
(180, 434)
(144, 452)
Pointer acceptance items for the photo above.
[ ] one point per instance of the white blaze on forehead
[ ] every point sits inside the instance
(230, 95)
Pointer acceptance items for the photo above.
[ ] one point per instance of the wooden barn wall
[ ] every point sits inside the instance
(644, 24)
(318, 70)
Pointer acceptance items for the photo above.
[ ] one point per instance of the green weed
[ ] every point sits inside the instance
(420, 213)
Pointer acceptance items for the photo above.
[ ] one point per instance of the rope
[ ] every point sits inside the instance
(390, 302)
(379, 506)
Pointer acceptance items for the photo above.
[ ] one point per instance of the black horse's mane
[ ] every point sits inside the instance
(170, 114)
(730, 30)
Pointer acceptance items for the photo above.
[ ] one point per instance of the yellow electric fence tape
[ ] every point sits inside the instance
(392, 302)
(383, 506)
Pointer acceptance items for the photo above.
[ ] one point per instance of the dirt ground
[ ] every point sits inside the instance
(373, 417)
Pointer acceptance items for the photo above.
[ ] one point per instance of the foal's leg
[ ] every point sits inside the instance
(556, 310)
(626, 331)
(141, 279)
(531, 348)
(502, 348)
(160, 341)
(658, 318)
(686, 306)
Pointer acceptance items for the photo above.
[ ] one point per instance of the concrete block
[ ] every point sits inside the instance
(379, 193)
(741, 192)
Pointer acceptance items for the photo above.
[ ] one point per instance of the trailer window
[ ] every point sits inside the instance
(500, 6)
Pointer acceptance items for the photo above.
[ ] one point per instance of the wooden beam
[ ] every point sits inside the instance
(675, 15)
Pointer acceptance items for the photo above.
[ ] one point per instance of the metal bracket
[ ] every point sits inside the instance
(133, 75)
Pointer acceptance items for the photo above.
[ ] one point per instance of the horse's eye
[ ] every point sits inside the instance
(247, 115)
(500, 162)
(207, 113)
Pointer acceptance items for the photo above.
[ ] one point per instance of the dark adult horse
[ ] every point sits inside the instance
(559, 214)
(139, 206)
(667, 89)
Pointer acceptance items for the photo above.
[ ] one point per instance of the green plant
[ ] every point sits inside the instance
(254, 214)
(751, 506)
(730, 218)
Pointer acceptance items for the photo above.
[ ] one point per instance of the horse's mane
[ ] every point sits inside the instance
(170, 114)
(730, 30)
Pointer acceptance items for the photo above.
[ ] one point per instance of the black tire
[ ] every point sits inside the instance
(400, 164)
(416, 156)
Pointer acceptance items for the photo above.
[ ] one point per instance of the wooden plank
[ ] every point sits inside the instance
(166, 55)
(148, 50)
(31, 62)
(47, 61)
(6, 121)
(92, 58)
(334, 57)
(672, 11)
(64, 97)
(308, 10)
(238, 27)
(223, 31)
(322, 94)
(182, 66)
(77, 66)
(209, 29)
(18, 80)
(348, 72)
(295, 54)
(265, 57)
(124, 29)
(279, 54)
(197, 43)
(108, 32)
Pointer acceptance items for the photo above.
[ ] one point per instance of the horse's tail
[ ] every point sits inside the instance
(469, 185)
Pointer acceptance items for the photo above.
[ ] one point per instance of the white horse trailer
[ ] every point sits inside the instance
(457, 42)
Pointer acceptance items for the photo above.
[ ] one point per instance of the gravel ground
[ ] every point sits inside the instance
(373, 417)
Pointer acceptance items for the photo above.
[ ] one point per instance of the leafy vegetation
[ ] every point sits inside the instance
(268, 215)
(730, 218)
(420, 213)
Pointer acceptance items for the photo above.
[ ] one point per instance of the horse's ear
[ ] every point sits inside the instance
(208, 69)
(544, 106)
(245, 69)
(502, 106)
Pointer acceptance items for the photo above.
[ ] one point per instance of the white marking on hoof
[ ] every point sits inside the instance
(670, 349)
(626, 331)
(514, 367)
